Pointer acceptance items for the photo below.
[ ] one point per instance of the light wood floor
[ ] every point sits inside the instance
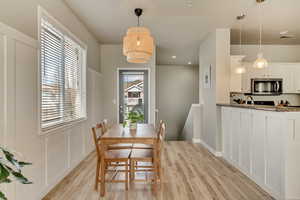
(190, 172)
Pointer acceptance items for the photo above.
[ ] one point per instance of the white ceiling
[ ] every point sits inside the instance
(277, 16)
(178, 28)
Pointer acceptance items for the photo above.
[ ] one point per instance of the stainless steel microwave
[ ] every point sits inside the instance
(266, 86)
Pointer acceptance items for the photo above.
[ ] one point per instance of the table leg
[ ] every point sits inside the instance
(102, 170)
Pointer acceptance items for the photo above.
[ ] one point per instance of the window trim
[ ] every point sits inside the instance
(42, 13)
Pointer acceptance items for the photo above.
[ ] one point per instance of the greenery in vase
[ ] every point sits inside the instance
(10, 170)
(135, 117)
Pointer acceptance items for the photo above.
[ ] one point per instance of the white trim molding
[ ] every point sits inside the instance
(209, 148)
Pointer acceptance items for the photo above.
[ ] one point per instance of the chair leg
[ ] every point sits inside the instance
(102, 170)
(132, 170)
(126, 175)
(159, 171)
(97, 174)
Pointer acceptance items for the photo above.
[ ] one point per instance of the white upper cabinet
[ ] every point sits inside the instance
(296, 78)
(289, 72)
(236, 79)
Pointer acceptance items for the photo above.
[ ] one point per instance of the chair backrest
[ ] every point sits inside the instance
(161, 123)
(161, 137)
(97, 133)
(104, 126)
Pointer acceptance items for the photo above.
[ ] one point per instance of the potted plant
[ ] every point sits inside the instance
(10, 170)
(134, 117)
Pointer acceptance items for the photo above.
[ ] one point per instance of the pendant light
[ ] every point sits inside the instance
(241, 69)
(260, 62)
(138, 44)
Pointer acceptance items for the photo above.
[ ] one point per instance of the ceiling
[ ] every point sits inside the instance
(178, 26)
(277, 16)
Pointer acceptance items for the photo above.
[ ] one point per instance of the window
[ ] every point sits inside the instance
(62, 77)
(134, 94)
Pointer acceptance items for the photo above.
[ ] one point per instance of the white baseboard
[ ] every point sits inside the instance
(218, 154)
(209, 148)
(196, 141)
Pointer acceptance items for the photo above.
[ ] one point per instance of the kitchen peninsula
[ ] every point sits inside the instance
(264, 143)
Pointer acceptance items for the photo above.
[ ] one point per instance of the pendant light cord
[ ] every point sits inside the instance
(240, 37)
(260, 26)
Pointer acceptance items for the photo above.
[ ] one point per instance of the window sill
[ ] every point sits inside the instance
(61, 128)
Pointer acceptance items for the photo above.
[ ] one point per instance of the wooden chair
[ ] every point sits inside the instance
(105, 128)
(147, 155)
(113, 158)
(147, 146)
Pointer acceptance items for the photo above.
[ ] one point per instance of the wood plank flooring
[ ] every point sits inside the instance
(190, 172)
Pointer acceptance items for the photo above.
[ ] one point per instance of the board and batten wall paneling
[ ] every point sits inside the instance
(26, 140)
(2, 78)
(55, 154)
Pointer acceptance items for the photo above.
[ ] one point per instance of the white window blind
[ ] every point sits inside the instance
(61, 78)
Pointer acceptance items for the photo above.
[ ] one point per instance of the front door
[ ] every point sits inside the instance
(133, 94)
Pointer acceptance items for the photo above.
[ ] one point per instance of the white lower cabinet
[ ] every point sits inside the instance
(235, 131)
(258, 146)
(274, 159)
(257, 142)
(245, 140)
(226, 115)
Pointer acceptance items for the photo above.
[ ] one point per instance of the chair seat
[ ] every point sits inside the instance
(120, 146)
(142, 146)
(141, 154)
(117, 154)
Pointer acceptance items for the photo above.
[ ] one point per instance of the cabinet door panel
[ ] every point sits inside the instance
(245, 140)
(235, 131)
(274, 153)
(258, 146)
(296, 72)
(288, 80)
(226, 118)
(235, 79)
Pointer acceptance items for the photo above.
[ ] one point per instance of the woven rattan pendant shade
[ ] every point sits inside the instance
(138, 45)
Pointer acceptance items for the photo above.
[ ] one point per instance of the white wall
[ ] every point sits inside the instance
(53, 155)
(273, 53)
(112, 58)
(214, 52)
(177, 89)
(192, 128)
(223, 64)
(22, 15)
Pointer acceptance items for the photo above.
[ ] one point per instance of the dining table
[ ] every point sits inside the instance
(118, 134)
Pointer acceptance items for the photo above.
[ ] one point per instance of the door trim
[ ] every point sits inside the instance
(149, 88)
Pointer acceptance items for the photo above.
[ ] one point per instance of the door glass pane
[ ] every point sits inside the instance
(132, 94)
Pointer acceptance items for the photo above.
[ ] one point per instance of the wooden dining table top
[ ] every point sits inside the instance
(143, 131)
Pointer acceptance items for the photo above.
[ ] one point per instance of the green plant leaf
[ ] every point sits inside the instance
(4, 173)
(10, 157)
(22, 164)
(2, 196)
(22, 179)
(5, 181)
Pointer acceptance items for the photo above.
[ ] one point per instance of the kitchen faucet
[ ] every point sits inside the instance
(251, 98)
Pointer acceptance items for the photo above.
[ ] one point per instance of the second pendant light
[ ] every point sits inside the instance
(260, 62)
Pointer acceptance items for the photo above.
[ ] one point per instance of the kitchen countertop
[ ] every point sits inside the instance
(261, 107)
